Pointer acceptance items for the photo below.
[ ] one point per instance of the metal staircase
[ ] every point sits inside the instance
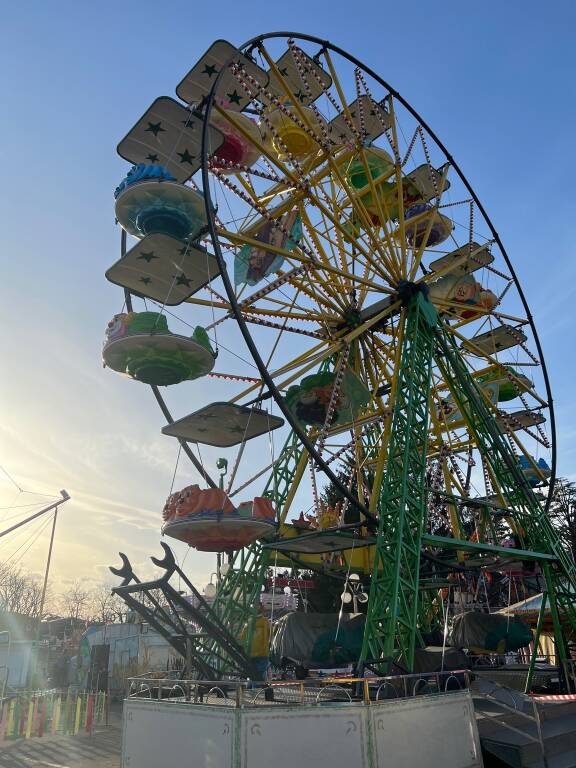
(188, 623)
(522, 732)
(213, 639)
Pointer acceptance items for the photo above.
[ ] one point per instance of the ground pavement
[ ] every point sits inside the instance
(100, 750)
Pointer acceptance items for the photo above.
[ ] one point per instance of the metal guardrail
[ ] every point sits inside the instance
(534, 718)
(494, 663)
(570, 674)
(318, 691)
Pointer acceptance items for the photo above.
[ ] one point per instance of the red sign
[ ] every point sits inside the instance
(296, 583)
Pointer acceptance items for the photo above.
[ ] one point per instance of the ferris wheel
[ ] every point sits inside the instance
(380, 392)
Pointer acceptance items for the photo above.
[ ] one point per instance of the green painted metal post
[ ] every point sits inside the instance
(392, 618)
(236, 602)
(559, 642)
(541, 613)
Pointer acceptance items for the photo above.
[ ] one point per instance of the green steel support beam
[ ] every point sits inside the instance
(394, 615)
(531, 522)
(236, 602)
(392, 618)
(283, 472)
(472, 546)
(541, 614)
(561, 651)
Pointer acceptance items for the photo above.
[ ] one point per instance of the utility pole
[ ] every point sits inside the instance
(44, 586)
(64, 498)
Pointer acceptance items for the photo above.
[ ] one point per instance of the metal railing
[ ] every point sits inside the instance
(496, 664)
(318, 691)
(534, 718)
(570, 674)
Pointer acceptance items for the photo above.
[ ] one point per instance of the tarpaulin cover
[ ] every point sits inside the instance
(489, 632)
(295, 635)
(342, 645)
(429, 659)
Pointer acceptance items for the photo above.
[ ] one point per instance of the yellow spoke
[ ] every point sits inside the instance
(308, 316)
(417, 258)
(341, 248)
(311, 232)
(387, 270)
(399, 187)
(247, 186)
(296, 480)
(470, 344)
(311, 292)
(328, 156)
(383, 216)
(243, 239)
(208, 303)
(452, 513)
(453, 265)
(315, 351)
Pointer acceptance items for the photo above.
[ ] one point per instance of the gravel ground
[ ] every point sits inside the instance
(100, 750)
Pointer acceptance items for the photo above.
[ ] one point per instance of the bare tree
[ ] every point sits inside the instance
(107, 607)
(563, 513)
(101, 599)
(20, 592)
(75, 602)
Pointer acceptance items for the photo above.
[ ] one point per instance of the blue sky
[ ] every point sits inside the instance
(495, 81)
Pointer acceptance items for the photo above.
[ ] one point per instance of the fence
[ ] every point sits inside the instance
(546, 672)
(39, 713)
(319, 691)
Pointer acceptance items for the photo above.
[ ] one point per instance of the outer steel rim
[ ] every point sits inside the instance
(326, 45)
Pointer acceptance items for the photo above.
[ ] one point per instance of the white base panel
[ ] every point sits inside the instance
(428, 730)
(327, 735)
(424, 732)
(172, 735)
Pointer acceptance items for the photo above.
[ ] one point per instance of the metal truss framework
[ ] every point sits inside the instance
(392, 619)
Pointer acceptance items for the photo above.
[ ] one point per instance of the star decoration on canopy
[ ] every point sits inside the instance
(147, 256)
(146, 280)
(234, 97)
(152, 157)
(209, 70)
(185, 157)
(155, 128)
(183, 280)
